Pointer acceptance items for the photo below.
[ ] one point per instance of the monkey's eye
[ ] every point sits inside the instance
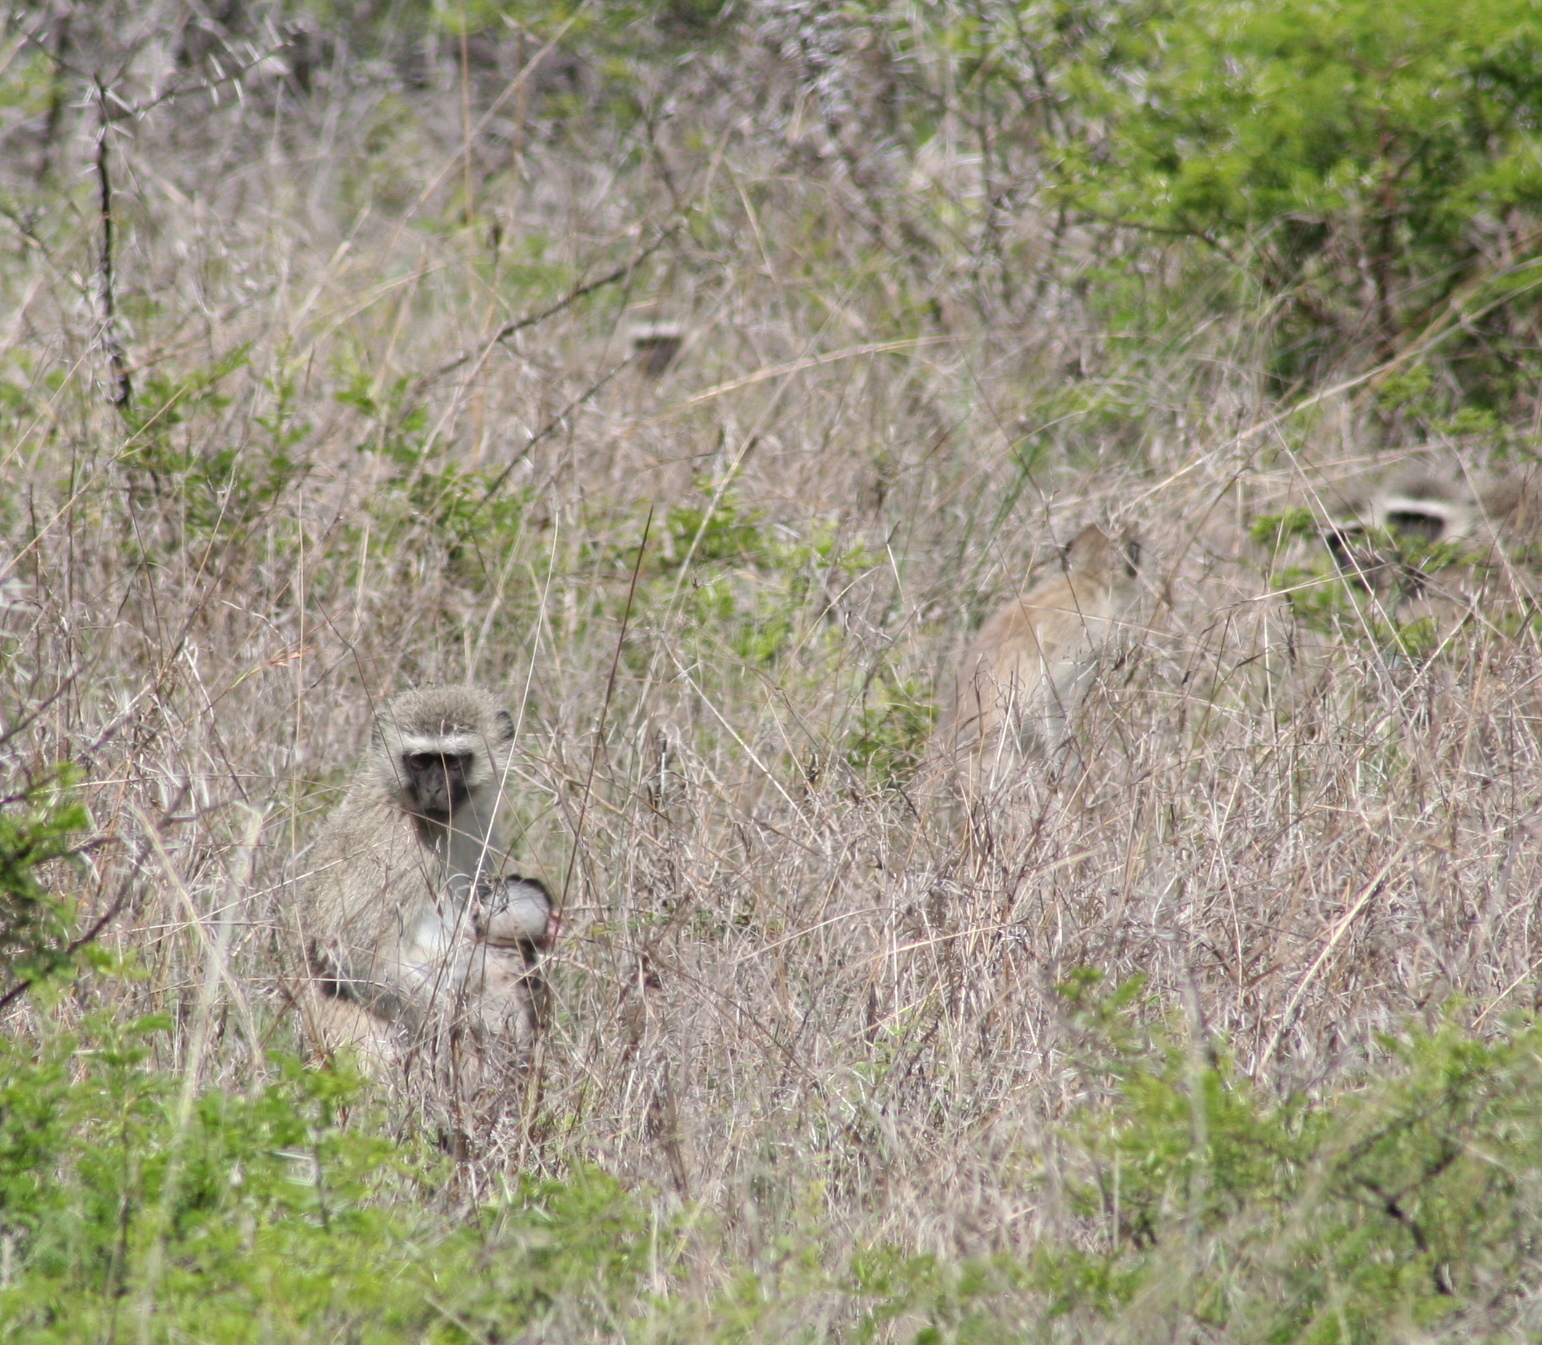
(451, 763)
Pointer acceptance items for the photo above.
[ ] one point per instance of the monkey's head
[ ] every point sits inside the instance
(1424, 520)
(514, 912)
(1094, 555)
(436, 748)
(1384, 539)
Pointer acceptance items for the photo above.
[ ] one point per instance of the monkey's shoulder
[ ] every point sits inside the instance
(1057, 622)
(365, 819)
(1076, 609)
(1012, 623)
(366, 842)
(1040, 617)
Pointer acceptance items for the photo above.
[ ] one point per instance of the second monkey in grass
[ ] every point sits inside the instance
(1443, 536)
(1018, 689)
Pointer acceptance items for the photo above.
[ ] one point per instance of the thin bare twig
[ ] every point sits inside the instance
(571, 297)
(599, 732)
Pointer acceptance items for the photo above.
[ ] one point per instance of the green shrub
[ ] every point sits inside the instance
(1274, 530)
(177, 453)
(742, 583)
(1388, 1204)
(288, 1210)
(1320, 146)
(893, 728)
(39, 826)
(284, 1211)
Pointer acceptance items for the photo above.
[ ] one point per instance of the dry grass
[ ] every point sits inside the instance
(787, 993)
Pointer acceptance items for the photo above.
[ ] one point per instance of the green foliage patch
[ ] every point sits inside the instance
(290, 1209)
(177, 454)
(743, 583)
(40, 825)
(893, 728)
(1316, 147)
(283, 1211)
(1389, 1204)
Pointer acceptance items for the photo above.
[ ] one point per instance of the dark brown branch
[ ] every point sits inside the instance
(571, 297)
(57, 96)
(125, 388)
(554, 423)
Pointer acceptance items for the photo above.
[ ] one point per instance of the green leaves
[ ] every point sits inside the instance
(1343, 156)
(1329, 1218)
(893, 728)
(284, 1220)
(1236, 117)
(289, 1210)
(38, 826)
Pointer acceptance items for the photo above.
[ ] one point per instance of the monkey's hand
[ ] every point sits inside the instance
(511, 912)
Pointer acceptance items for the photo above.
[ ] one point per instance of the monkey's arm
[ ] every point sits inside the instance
(355, 980)
(363, 907)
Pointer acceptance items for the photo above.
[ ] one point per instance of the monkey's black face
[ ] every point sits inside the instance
(435, 783)
(1424, 529)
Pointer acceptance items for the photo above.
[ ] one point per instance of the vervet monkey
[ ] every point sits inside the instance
(412, 938)
(1385, 541)
(1018, 689)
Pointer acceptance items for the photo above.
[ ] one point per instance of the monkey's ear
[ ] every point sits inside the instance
(505, 724)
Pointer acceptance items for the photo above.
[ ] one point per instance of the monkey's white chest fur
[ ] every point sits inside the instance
(442, 955)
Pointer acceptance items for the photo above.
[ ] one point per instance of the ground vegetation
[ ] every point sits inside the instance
(699, 376)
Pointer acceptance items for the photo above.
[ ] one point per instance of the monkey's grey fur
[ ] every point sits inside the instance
(415, 944)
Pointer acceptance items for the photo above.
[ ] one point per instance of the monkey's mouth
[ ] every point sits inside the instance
(436, 783)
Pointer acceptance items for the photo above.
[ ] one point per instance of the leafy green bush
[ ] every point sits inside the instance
(39, 826)
(1327, 150)
(286, 1211)
(893, 729)
(219, 487)
(743, 583)
(1394, 1202)
(1202, 1206)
